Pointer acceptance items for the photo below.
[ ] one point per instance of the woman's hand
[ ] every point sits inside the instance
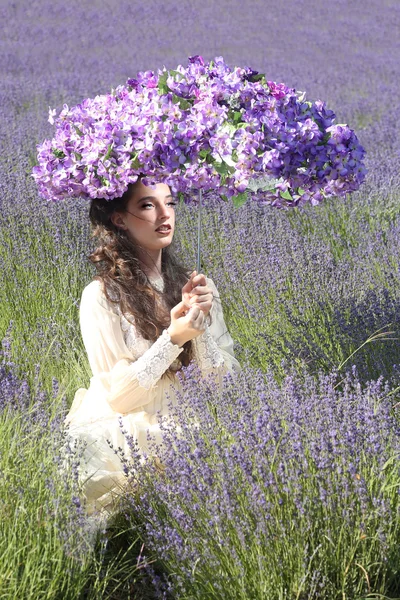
(185, 324)
(196, 292)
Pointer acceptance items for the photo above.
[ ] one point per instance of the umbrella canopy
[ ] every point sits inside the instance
(201, 127)
(198, 128)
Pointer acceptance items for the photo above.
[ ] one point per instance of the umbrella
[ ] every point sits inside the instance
(201, 128)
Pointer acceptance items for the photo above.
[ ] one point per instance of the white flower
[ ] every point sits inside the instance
(52, 114)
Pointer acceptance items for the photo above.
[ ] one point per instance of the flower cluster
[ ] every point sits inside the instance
(263, 479)
(205, 127)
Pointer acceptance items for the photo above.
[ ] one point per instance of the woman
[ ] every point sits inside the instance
(141, 318)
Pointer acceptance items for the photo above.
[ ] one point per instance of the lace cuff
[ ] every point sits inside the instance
(155, 361)
(207, 351)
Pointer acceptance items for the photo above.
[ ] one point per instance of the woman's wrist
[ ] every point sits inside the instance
(174, 339)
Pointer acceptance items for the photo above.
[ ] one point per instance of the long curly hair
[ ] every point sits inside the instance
(125, 283)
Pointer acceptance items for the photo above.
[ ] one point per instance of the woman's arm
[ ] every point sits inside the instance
(129, 383)
(214, 348)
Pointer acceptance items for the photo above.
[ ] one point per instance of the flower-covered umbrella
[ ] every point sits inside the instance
(205, 127)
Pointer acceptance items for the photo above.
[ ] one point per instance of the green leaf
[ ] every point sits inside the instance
(237, 117)
(239, 199)
(109, 151)
(78, 131)
(162, 83)
(224, 197)
(209, 159)
(258, 77)
(174, 73)
(205, 155)
(222, 168)
(58, 153)
(182, 102)
(135, 164)
(286, 195)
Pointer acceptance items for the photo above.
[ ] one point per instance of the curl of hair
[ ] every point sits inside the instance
(125, 283)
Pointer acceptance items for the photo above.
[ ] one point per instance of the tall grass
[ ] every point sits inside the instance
(276, 491)
(291, 488)
(300, 290)
(49, 548)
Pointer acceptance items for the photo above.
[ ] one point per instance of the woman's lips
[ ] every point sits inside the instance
(163, 228)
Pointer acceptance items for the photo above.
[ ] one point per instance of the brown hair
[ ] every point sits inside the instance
(125, 283)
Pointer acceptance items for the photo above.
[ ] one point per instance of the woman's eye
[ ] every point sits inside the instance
(149, 204)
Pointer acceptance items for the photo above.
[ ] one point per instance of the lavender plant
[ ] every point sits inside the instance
(43, 263)
(47, 542)
(43, 528)
(310, 285)
(275, 491)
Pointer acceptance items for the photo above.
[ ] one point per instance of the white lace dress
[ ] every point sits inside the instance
(129, 385)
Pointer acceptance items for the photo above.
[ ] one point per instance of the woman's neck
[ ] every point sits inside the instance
(151, 263)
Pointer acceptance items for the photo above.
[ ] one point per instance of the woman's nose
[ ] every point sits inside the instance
(163, 212)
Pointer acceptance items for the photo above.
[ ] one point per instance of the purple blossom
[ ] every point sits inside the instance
(260, 469)
(207, 127)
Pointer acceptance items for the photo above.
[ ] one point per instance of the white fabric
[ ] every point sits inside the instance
(129, 385)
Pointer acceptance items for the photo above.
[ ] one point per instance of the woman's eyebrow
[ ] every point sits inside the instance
(153, 198)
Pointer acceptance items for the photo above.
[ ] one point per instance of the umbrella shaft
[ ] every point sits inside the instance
(198, 232)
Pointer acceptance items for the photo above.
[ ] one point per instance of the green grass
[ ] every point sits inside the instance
(43, 278)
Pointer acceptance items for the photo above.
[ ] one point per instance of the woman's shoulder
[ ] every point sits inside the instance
(93, 294)
(93, 290)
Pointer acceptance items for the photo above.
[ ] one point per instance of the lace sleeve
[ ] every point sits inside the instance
(214, 348)
(207, 351)
(152, 365)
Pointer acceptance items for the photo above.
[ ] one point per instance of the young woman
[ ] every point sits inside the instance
(142, 318)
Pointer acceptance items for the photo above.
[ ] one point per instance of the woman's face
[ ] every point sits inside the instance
(147, 210)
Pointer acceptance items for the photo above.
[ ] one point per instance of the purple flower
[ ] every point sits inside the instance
(205, 126)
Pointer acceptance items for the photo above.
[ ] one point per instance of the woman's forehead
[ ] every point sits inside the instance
(142, 192)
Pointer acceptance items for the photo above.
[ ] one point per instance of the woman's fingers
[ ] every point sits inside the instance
(199, 279)
(204, 302)
(187, 288)
(196, 317)
(202, 296)
(201, 289)
(179, 310)
(195, 291)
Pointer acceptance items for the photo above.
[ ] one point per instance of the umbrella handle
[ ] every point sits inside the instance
(199, 231)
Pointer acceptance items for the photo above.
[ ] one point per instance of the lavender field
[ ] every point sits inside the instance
(290, 489)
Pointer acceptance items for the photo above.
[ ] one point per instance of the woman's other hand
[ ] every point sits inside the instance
(197, 293)
(185, 324)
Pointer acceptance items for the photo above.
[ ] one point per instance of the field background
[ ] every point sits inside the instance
(308, 294)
